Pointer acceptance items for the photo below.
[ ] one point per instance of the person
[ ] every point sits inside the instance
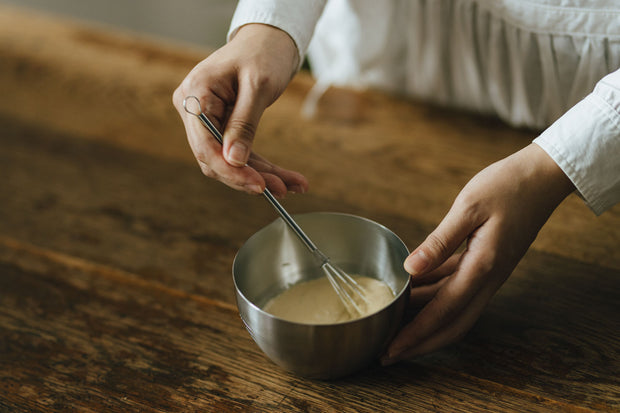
(542, 64)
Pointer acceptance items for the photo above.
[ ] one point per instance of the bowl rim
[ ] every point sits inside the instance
(397, 295)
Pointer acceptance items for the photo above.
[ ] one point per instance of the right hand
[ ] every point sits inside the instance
(498, 214)
(235, 85)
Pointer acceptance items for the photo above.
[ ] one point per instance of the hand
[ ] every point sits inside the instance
(235, 85)
(499, 213)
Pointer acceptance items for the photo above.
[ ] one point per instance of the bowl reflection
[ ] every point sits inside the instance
(273, 259)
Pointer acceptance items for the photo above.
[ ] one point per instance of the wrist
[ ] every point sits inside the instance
(270, 39)
(553, 183)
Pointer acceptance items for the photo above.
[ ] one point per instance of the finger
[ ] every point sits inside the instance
(453, 331)
(442, 242)
(454, 293)
(292, 181)
(422, 295)
(208, 153)
(450, 300)
(444, 270)
(279, 185)
(424, 287)
(275, 185)
(242, 123)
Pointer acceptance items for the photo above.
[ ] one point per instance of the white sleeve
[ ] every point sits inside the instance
(296, 17)
(585, 143)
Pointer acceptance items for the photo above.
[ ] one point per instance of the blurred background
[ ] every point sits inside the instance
(201, 22)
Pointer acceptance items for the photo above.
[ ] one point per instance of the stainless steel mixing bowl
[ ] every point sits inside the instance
(273, 259)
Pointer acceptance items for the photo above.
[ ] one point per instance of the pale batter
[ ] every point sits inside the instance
(316, 302)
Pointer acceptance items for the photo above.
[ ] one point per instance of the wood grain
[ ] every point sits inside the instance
(115, 252)
(86, 337)
(411, 158)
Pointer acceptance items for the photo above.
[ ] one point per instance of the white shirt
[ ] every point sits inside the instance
(534, 63)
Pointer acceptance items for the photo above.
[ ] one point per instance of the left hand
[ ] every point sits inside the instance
(499, 213)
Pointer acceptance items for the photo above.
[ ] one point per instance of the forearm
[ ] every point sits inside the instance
(585, 144)
(295, 17)
(539, 169)
(267, 39)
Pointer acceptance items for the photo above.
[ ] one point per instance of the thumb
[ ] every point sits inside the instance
(440, 244)
(241, 126)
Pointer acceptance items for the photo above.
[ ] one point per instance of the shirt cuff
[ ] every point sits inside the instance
(296, 17)
(585, 143)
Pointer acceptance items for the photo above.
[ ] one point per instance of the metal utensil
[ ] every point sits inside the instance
(348, 290)
(268, 261)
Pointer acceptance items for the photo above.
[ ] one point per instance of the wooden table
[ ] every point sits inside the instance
(115, 252)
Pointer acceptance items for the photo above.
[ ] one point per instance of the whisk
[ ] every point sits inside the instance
(348, 290)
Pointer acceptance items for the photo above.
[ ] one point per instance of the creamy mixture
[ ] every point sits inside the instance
(316, 302)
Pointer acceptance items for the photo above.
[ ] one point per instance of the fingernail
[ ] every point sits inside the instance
(417, 263)
(238, 153)
(389, 360)
(297, 189)
(254, 188)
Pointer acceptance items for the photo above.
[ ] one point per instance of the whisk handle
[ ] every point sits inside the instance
(209, 125)
(291, 223)
(274, 202)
